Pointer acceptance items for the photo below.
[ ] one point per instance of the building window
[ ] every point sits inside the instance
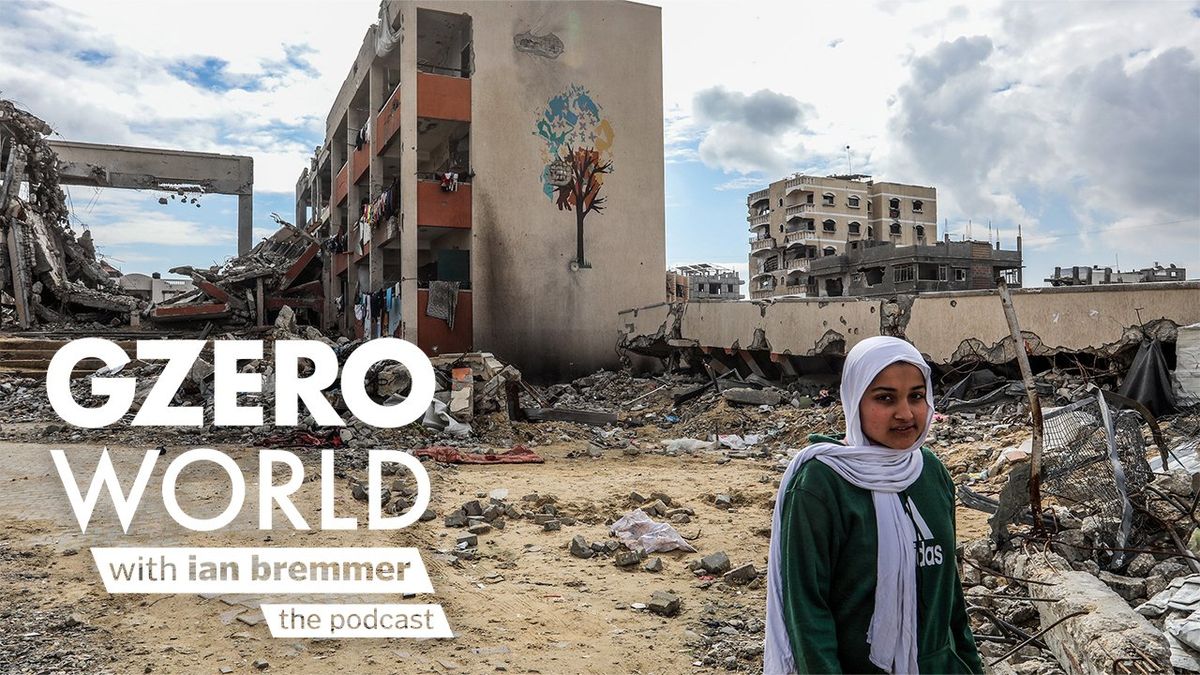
(808, 198)
(829, 226)
(920, 231)
(873, 276)
(852, 202)
(827, 199)
(870, 232)
(893, 203)
(901, 273)
(829, 250)
(855, 228)
(917, 205)
(895, 228)
(960, 274)
(942, 272)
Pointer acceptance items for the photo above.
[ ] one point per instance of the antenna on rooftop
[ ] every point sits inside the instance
(849, 164)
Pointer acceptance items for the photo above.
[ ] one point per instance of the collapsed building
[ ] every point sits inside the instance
(48, 274)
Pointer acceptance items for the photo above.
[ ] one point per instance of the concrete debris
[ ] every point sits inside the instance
(49, 276)
(741, 575)
(580, 548)
(664, 603)
(716, 563)
(745, 396)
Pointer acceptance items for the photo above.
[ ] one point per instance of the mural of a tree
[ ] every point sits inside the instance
(577, 155)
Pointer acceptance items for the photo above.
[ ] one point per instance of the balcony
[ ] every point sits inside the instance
(360, 161)
(800, 209)
(443, 97)
(798, 236)
(760, 244)
(340, 262)
(387, 122)
(341, 186)
(755, 221)
(436, 208)
(434, 336)
(800, 184)
(797, 265)
(760, 230)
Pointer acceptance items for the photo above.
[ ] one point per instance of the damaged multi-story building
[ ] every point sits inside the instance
(798, 219)
(1094, 275)
(710, 282)
(851, 236)
(492, 178)
(877, 268)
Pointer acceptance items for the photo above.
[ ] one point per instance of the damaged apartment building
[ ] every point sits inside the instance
(703, 281)
(831, 236)
(492, 178)
(1096, 275)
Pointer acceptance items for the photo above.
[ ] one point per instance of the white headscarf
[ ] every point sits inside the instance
(885, 472)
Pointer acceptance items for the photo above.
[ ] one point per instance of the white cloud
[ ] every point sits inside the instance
(1070, 118)
(119, 73)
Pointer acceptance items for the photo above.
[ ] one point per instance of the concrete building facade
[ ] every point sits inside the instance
(801, 218)
(1087, 276)
(711, 282)
(875, 268)
(492, 176)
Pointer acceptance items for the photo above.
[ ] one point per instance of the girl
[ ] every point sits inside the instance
(862, 575)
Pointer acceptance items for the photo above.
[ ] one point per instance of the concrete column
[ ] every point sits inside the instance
(355, 118)
(375, 97)
(337, 218)
(302, 209)
(245, 223)
(408, 170)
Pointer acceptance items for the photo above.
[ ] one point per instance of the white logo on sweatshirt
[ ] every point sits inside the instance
(927, 554)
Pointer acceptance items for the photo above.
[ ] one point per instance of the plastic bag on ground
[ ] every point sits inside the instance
(638, 530)
(689, 445)
(437, 417)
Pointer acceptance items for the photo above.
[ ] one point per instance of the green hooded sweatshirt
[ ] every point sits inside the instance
(829, 541)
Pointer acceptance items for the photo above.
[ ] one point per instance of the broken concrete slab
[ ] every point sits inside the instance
(716, 563)
(664, 603)
(1106, 627)
(746, 396)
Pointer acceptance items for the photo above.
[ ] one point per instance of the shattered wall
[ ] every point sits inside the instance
(946, 327)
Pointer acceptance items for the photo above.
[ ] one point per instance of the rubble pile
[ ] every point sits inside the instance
(48, 275)
(282, 271)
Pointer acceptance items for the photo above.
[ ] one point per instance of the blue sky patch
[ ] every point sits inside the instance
(93, 57)
(211, 73)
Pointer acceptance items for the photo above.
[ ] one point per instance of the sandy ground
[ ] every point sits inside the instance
(525, 605)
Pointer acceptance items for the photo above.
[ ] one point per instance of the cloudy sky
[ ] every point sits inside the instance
(1080, 121)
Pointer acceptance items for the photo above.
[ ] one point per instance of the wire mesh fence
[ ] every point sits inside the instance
(1094, 461)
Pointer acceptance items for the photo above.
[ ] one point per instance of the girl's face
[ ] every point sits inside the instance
(894, 409)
